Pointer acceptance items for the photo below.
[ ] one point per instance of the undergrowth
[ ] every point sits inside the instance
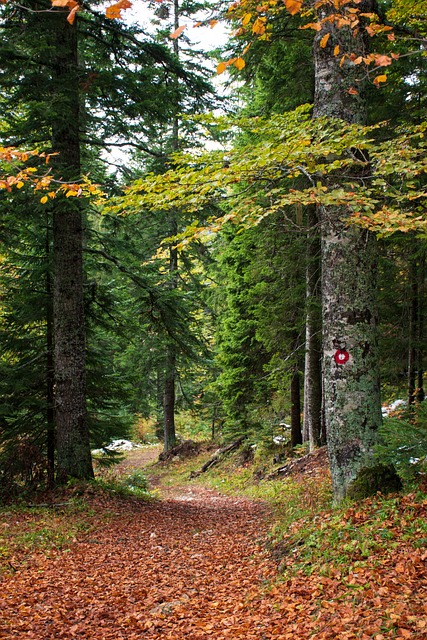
(134, 484)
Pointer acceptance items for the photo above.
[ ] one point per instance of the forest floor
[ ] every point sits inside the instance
(196, 564)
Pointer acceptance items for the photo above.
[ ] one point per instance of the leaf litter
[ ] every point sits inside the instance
(196, 565)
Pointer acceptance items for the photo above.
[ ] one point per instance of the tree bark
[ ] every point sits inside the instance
(349, 256)
(312, 428)
(73, 447)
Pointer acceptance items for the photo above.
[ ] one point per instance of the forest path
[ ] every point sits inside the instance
(195, 566)
(190, 566)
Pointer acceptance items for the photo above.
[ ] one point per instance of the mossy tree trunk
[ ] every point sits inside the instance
(73, 447)
(349, 256)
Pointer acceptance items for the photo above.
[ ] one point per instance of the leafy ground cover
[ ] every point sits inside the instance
(259, 559)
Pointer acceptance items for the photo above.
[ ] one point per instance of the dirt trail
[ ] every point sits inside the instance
(189, 567)
(194, 566)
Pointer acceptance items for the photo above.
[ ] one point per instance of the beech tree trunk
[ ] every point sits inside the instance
(73, 447)
(312, 428)
(349, 256)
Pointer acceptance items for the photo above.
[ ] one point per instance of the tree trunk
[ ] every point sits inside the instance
(313, 369)
(73, 447)
(413, 330)
(169, 401)
(170, 374)
(296, 433)
(349, 255)
(420, 395)
(50, 378)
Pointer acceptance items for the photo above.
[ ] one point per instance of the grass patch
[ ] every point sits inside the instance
(25, 530)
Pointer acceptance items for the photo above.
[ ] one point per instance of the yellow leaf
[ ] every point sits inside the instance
(177, 32)
(324, 40)
(19, 184)
(380, 79)
(293, 6)
(221, 67)
(239, 63)
(259, 26)
(44, 199)
(246, 19)
(337, 50)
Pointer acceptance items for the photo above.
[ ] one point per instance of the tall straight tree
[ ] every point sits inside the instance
(349, 255)
(73, 447)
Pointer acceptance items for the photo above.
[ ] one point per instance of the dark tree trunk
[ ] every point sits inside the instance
(420, 395)
(50, 380)
(73, 447)
(296, 433)
(413, 330)
(349, 256)
(416, 327)
(169, 401)
(170, 372)
(313, 367)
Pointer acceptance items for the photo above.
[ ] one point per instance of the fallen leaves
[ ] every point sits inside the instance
(197, 569)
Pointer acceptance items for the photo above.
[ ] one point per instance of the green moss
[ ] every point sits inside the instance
(371, 480)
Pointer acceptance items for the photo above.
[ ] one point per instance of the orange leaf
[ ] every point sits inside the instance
(312, 25)
(114, 11)
(72, 15)
(177, 32)
(380, 79)
(353, 92)
(293, 6)
(324, 40)
(221, 67)
(383, 61)
(337, 50)
(239, 63)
